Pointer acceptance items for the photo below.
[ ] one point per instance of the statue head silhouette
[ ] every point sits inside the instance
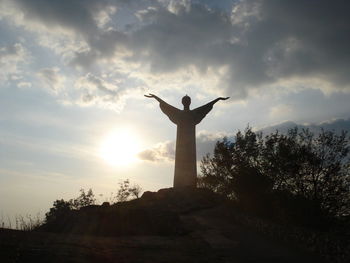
(186, 101)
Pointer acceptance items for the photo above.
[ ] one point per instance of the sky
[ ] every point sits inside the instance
(73, 75)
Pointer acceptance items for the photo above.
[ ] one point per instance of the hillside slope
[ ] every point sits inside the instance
(167, 226)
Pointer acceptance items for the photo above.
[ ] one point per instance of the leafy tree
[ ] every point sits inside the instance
(135, 191)
(60, 208)
(126, 191)
(316, 168)
(84, 199)
(123, 192)
(253, 169)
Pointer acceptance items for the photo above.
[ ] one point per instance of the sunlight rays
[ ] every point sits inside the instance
(120, 147)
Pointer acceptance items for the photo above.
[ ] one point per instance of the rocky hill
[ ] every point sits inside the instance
(186, 225)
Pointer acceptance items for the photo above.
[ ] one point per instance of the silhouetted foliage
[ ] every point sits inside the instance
(62, 207)
(155, 213)
(84, 199)
(295, 175)
(135, 191)
(126, 191)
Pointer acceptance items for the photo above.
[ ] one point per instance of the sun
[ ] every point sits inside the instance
(120, 147)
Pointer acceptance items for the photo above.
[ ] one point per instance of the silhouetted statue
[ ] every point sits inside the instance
(186, 121)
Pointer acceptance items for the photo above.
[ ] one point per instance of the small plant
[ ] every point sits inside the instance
(3, 222)
(20, 222)
(28, 223)
(126, 191)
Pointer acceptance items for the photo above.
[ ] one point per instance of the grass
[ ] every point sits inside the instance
(20, 222)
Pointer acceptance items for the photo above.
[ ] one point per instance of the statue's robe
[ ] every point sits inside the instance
(185, 174)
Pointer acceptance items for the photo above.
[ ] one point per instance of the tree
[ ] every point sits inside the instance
(294, 166)
(84, 199)
(316, 168)
(135, 191)
(126, 191)
(123, 192)
(62, 207)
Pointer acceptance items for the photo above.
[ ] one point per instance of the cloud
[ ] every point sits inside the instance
(261, 42)
(75, 16)
(246, 44)
(12, 58)
(24, 85)
(281, 110)
(297, 38)
(100, 92)
(93, 83)
(52, 79)
(165, 151)
(206, 142)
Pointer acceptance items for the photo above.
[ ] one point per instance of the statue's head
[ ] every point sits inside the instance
(186, 101)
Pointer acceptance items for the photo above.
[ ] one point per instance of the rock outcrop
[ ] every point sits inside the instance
(155, 213)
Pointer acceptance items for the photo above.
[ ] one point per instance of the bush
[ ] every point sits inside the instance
(62, 207)
(297, 173)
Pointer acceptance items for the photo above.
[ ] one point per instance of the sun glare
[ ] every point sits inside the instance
(120, 147)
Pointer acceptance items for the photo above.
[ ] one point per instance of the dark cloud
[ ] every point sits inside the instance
(265, 41)
(16, 50)
(303, 38)
(81, 18)
(259, 42)
(190, 37)
(75, 15)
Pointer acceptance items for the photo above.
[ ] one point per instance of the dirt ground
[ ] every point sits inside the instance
(212, 238)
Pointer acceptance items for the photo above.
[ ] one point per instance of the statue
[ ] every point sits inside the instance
(185, 174)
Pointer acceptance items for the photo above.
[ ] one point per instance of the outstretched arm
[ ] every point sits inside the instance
(150, 95)
(201, 112)
(210, 104)
(167, 109)
(216, 100)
